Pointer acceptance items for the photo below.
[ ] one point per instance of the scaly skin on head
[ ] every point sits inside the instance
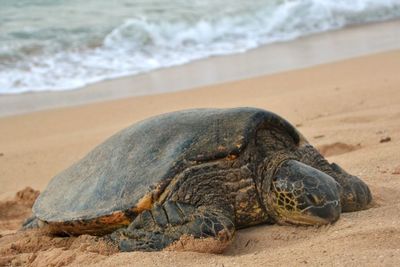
(303, 195)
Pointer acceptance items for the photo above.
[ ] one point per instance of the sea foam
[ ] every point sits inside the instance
(159, 34)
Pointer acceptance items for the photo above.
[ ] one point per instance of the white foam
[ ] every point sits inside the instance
(145, 43)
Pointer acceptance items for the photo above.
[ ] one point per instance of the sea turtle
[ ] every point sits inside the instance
(197, 175)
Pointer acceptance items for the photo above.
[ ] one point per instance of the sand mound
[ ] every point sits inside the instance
(14, 212)
(337, 149)
(36, 247)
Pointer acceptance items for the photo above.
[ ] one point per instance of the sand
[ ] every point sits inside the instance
(350, 110)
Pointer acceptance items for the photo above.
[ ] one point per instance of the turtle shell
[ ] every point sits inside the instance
(118, 174)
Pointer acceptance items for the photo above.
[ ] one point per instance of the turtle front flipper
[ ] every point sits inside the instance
(179, 226)
(31, 223)
(355, 194)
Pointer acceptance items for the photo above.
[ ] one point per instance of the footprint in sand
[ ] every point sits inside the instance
(360, 119)
(337, 149)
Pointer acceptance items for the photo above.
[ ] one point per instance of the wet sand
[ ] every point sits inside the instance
(304, 52)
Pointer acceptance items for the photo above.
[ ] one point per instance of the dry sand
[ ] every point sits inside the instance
(347, 109)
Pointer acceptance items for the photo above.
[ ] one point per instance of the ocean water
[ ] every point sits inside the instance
(66, 44)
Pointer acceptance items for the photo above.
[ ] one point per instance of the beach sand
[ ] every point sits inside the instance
(350, 110)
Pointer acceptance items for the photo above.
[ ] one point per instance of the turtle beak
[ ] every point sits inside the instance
(329, 212)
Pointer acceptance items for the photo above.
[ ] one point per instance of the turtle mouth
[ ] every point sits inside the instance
(327, 213)
(302, 219)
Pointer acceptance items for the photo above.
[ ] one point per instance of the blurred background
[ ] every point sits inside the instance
(52, 45)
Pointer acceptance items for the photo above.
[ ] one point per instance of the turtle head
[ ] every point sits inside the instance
(300, 194)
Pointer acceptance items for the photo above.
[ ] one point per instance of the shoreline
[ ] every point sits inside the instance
(304, 52)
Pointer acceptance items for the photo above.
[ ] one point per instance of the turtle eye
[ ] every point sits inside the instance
(313, 199)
